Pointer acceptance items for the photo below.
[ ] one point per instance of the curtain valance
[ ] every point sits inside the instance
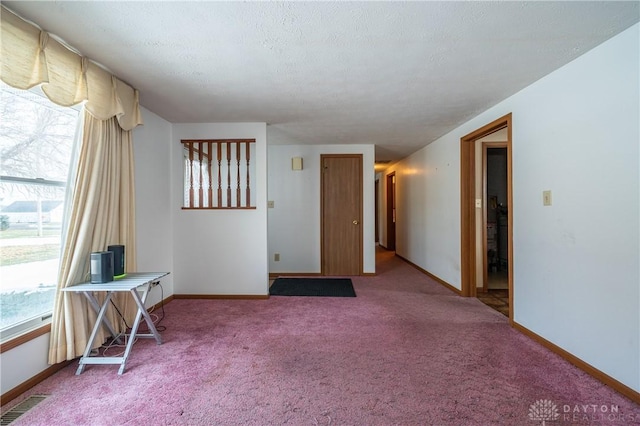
(31, 57)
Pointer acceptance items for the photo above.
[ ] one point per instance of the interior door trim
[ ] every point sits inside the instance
(467, 207)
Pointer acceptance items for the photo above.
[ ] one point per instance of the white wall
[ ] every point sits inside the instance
(294, 222)
(154, 224)
(220, 252)
(428, 209)
(20, 364)
(577, 262)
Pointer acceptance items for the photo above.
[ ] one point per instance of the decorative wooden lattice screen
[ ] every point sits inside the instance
(218, 173)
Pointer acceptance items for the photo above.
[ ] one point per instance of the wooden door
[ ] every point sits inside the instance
(341, 215)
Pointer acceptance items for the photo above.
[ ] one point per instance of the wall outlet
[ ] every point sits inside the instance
(276, 257)
(271, 204)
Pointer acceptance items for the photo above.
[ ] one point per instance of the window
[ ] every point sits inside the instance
(36, 139)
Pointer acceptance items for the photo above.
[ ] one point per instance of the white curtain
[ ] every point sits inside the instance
(102, 210)
(102, 213)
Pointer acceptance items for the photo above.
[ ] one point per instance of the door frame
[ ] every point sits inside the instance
(468, 209)
(360, 210)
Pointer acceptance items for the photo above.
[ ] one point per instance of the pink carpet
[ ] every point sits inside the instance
(405, 351)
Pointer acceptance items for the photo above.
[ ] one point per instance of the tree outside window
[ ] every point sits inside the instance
(36, 139)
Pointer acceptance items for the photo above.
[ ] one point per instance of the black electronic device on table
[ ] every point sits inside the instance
(118, 260)
(101, 267)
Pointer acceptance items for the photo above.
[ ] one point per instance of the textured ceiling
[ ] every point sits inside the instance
(394, 74)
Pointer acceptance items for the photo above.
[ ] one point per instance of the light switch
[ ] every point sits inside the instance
(276, 257)
(478, 203)
(546, 198)
(271, 204)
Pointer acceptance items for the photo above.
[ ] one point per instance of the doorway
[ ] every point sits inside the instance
(475, 253)
(376, 198)
(341, 214)
(494, 290)
(495, 216)
(391, 211)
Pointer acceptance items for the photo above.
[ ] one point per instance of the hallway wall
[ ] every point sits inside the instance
(577, 262)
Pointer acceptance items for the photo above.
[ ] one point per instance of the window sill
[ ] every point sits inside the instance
(24, 338)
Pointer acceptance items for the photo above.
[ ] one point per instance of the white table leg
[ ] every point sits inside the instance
(94, 332)
(96, 307)
(142, 311)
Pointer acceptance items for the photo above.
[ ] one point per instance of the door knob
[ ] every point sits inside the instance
(355, 222)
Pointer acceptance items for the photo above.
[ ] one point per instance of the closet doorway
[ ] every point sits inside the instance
(480, 254)
(496, 216)
(495, 219)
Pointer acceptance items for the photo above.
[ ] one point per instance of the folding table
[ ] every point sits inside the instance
(133, 283)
